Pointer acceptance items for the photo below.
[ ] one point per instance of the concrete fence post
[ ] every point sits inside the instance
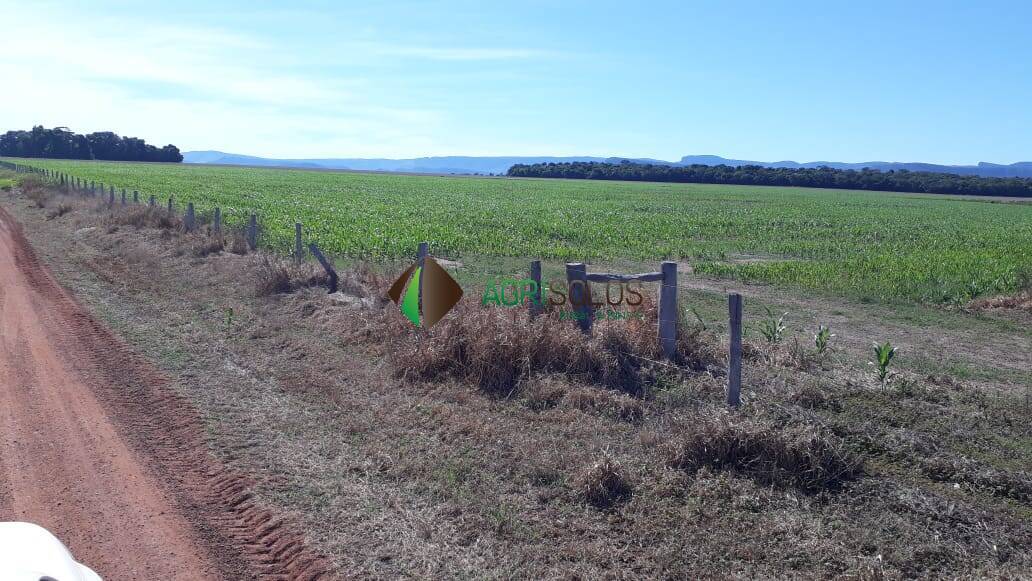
(579, 294)
(252, 232)
(734, 360)
(188, 219)
(668, 310)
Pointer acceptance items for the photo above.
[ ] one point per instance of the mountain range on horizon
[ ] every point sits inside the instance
(501, 164)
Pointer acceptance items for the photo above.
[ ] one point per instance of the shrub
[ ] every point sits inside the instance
(543, 394)
(604, 483)
(144, 217)
(273, 275)
(61, 209)
(497, 349)
(238, 243)
(207, 246)
(802, 457)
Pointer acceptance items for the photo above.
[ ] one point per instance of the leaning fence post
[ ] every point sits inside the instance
(188, 219)
(535, 274)
(217, 225)
(326, 265)
(580, 293)
(299, 251)
(252, 232)
(668, 310)
(734, 362)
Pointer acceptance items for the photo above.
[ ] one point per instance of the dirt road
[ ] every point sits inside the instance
(91, 449)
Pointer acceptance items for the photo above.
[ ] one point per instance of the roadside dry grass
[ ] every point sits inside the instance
(498, 448)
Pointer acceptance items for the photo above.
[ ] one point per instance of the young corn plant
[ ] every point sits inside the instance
(773, 328)
(883, 357)
(822, 340)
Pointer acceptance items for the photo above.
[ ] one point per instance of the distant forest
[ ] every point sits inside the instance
(60, 143)
(754, 175)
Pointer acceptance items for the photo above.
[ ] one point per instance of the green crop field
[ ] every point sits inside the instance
(868, 244)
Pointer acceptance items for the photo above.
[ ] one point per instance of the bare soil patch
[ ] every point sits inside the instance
(98, 449)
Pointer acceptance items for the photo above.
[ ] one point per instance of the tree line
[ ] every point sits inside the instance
(61, 143)
(754, 175)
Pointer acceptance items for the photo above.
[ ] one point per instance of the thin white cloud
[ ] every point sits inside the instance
(216, 88)
(456, 54)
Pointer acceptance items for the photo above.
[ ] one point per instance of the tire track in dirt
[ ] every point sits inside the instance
(96, 447)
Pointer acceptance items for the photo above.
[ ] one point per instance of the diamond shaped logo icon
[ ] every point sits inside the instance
(425, 289)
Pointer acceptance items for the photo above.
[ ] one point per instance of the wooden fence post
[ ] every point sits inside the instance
(136, 196)
(152, 202)
(668, 310)
(734, 362)
(111, 197)
(535, 274)
(217, 226)
(299, 251)
(252, 232)
(188, 219)
(171, 208)
(123, 196)
(579, 294)
(326, 265)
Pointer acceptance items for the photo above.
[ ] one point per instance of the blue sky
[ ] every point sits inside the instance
(843, 81)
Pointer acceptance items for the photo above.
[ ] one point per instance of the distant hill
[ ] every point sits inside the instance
(1022, 169)
(501, 164)
(448, 164)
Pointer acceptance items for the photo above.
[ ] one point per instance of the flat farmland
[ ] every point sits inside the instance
(877, 245)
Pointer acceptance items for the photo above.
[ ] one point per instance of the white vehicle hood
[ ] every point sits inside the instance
(29, 552)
